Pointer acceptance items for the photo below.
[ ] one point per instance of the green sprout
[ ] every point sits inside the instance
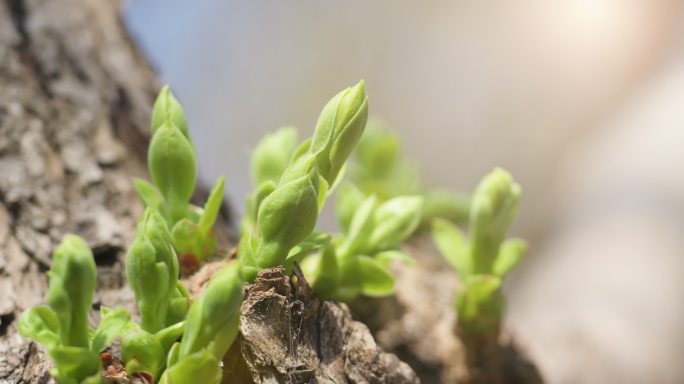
(356, 261)
(283, 214)
(177, 341)
(380, 169)
(152, 271)
(484, 258)
(172, 166)
(210, 328)
(62, 324)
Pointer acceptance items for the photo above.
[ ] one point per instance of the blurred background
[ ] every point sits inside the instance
(582, 100)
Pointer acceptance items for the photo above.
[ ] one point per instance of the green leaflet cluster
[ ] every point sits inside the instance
(378, 168)
(150, 349)
(485, 257)
(178, 340)
(172, 166)
(356, 261)
(283, 211)
(62, 323)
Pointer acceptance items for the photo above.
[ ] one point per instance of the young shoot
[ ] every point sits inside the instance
(484, 258)
(61, 325)
(284, 212)
(356, 261)
(172, 166)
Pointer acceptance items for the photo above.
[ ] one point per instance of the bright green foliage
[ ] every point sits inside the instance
(339, 127)
(210, 328)
(495, 204)
(480, 304)
(293, 181)
(145, 352)
(484, 258)
(72, 285)
(285, 218)
(282, 213)
(379, 169)
(152, 270)
(142, 352)
(62, 324)
(200, 367)
(171, 159)
(167, 109)
(212, 321)
(172, 166)
(356, 262)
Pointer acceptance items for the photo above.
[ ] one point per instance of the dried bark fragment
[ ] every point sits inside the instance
(290, 337)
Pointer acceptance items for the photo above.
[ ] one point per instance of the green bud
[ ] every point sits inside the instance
(72, 285)
(272, 155)
(213, 319)
(286, 217)
(167, 110)
(171, 161)
(304, 165)
(395, 220)
(494, 205)
(152, 270)
(339, 127)
(62, 325)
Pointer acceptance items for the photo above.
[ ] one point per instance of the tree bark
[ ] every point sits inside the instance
(75, 103)
(75, 100)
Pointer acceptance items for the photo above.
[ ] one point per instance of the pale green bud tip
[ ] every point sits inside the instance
(171, 161)
(167, 109)
(496, 197)
(74, 257)
(339, 128)
(153, 228)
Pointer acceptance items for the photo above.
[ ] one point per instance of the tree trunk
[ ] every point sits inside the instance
(75, 102)
(75, 99)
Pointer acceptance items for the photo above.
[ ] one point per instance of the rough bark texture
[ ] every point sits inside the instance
(75, 101)
(287, 336)
(419, 325)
